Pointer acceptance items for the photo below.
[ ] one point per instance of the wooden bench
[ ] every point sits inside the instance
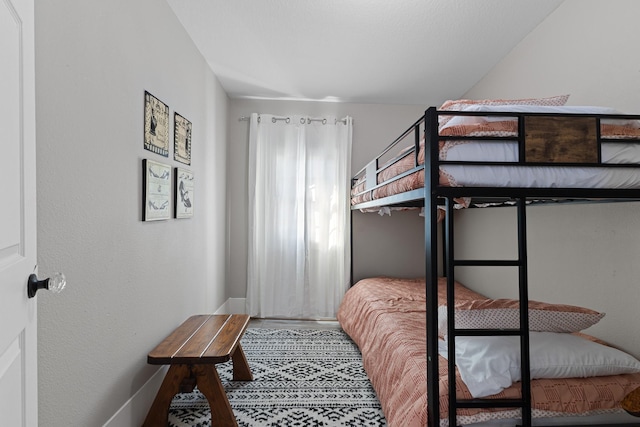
(193, 350)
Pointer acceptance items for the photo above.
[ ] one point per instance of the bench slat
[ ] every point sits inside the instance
(228, 339)
(161, 355)
(200, 341)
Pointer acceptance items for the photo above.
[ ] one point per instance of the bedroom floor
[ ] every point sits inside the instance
(293, 324)
(298, 380)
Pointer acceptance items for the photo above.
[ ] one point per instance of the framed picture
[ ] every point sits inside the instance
(181, 139)
(184, 193)
(156, 125)
(156, 185)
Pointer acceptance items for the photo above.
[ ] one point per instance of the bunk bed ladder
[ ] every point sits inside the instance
(433, 195)
(521, 263)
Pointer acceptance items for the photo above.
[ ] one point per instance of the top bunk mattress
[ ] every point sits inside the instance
(616, 141)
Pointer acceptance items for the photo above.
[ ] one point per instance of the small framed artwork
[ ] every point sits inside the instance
(184, 193)
(156, 185)
(156, 125)
(181, 139)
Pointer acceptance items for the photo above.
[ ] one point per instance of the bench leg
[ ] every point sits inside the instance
(158, 415)
(209, 384)
(241, 370)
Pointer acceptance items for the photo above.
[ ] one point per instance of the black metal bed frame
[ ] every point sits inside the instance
(434, 196)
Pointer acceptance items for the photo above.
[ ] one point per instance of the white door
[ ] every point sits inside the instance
(18, 341)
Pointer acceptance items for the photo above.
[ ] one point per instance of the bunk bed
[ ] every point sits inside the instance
(477, 154)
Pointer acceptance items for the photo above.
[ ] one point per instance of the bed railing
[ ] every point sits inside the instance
(543, 140)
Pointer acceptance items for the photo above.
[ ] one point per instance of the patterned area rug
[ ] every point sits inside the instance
(302, 377)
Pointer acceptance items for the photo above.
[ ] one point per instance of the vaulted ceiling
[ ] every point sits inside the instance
(367, 51)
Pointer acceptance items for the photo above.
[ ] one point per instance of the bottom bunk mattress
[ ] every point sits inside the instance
(386, 318)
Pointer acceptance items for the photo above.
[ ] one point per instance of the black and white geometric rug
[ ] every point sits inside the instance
(302, 377)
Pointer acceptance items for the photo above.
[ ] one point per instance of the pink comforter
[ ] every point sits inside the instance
(386, 318)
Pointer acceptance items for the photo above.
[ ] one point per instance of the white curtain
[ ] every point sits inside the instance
(299, 228)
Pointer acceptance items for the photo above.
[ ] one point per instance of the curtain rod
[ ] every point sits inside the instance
(303, 120)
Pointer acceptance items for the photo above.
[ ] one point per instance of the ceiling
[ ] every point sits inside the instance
(365, 51)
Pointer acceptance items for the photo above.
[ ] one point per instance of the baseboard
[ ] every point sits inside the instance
(232, 306)
(134, 411)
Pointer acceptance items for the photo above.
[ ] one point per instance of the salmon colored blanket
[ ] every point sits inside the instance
(386, 318)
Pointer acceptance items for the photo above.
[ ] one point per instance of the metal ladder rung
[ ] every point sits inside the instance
(486, 332)
(490, 403)
(486, 263)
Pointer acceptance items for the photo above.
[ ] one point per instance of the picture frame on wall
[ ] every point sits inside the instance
(183, 202)
(156, 125)
(156, 186)
(181, 139)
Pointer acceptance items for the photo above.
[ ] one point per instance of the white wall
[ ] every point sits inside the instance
(375, 126)
(129, 282)
(582, 254)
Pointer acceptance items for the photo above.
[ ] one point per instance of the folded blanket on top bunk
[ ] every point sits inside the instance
(507, 151)
(386, 318)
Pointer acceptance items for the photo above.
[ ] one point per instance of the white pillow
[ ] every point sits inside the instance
(487, 365)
